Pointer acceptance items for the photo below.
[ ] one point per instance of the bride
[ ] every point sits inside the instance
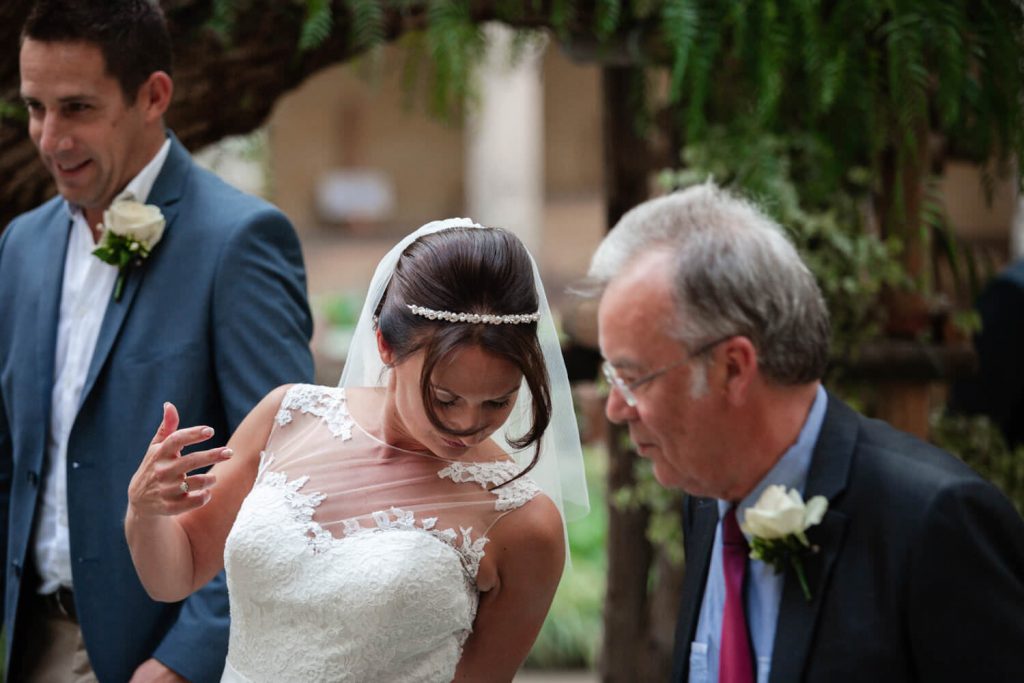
(407, 525)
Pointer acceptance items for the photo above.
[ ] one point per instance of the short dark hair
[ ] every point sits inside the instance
(468, 270)
(131, 34)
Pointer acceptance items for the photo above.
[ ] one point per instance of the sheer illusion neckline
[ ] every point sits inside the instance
(424, 453)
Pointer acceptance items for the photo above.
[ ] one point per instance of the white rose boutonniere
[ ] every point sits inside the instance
(776, 524)
(130, 231)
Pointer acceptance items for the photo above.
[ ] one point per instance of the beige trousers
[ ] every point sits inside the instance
(54, 649)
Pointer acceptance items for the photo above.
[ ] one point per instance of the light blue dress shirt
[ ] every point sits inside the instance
(764, 586)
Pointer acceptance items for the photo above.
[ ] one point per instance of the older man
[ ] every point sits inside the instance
(716, 338)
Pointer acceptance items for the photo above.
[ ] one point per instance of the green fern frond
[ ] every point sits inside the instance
(367, 28)
(13, 111)
(680, 26)
(701, 64)
(316, 26)
(642, 10)
(908, 79)
(456, 45)
(222, 18)
(563, 15)
(414, 56)
(607, 14)
(948, 25)
(771, 62)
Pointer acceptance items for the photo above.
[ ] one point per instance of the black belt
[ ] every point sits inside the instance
(61, 603)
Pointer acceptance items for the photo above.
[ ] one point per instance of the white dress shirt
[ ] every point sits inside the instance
(87, 289)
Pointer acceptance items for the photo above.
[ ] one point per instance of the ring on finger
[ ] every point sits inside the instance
(183, 486)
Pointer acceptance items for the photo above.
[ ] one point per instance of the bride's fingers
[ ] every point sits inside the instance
(172, 445)
(179, 502)
(168, 424)
(197, 460)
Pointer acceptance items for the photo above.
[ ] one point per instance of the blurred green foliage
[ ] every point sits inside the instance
(976, 440)
(571, 634)
(341, 309)
(664, 526)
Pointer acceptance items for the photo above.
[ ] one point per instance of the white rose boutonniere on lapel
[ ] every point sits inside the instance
(130, 231)
(776, 525)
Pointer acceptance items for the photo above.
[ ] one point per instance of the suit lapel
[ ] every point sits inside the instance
(55, 249)
(699, 541)
(165, 194)
(830, 467)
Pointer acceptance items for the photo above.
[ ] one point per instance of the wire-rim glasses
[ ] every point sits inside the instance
(627, 389)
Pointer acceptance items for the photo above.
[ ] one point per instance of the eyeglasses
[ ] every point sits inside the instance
(627, 389)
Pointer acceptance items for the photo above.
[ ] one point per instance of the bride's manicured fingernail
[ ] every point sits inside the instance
(207, 431)
(227, 452)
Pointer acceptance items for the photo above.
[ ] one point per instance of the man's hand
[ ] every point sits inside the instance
(152, 671)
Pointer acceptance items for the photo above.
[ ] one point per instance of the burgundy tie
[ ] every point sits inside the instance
(735, 663)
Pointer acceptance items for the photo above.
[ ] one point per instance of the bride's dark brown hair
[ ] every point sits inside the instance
(467, 270)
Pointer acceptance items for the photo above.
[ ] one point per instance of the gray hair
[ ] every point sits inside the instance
(735, 273)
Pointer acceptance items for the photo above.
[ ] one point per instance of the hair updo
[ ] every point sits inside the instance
(467, 270)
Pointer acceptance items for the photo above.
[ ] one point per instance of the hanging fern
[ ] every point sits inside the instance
(607, 14)
(680, 23)
(456, 45)
(563, 15)
(317, 25)
(367, 24)
(222, 18)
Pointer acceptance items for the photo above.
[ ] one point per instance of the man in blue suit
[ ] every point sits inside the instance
(212, 319)
(716, 338)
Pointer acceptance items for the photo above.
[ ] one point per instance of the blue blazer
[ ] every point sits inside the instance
(212, 321)
(920, 574)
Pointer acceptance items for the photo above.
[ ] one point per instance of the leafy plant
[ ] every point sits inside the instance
(664, 526)
(571, 634)
(977, 441)
(13, 111)
(341, 309)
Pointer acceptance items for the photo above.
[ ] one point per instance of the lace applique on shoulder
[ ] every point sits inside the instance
(327, 403)
(470, 550)
(487, 474)
(302, 506)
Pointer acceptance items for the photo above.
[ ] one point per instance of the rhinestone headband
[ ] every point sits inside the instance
(487, 318)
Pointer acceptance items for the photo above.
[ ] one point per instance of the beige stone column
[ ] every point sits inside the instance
(504, 141)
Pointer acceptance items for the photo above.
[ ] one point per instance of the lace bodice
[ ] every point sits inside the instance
(352, 560)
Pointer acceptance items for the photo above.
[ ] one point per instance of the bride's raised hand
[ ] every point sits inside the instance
(162, 485)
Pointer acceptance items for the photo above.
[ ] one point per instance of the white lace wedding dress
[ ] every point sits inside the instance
(352, 560)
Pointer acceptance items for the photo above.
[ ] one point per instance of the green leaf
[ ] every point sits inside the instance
(680, 25)
(317, 25)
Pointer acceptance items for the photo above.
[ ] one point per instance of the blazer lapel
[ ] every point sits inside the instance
(55, 249)
(165, 194)
(701, 537)
(830, 467)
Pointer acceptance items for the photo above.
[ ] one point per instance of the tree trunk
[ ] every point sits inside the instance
(625, 654)
(905, 403)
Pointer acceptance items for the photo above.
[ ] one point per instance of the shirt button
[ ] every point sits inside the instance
(74, 465)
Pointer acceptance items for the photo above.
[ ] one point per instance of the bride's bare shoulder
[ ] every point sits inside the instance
(533, 532)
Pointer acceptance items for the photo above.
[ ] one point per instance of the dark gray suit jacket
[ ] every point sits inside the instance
(212, 321)
(920, 576)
